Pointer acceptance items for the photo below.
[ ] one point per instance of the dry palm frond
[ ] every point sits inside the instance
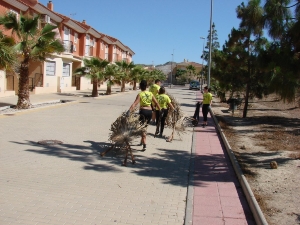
(175, 119)
(126, 128)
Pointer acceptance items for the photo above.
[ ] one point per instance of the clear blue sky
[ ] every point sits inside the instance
(153, 28)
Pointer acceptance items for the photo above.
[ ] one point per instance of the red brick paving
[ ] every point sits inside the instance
(218, 197)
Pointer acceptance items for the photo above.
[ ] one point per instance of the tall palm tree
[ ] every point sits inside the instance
(135, 75)
(94, 69)
(8, 58)
(111, 76)
(125, 68)
(34, 44)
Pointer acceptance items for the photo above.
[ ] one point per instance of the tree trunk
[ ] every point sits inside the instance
(246, 100)
(123, 86)
(108, 89)
(23, 92)
(134, 85)
(95, 88)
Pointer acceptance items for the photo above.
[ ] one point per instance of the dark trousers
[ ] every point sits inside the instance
(145, 115)
(161, 118)
(205, 109)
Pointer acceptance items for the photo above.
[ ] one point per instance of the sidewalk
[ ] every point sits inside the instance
(217, 195)
(49, 97)
(71, 184)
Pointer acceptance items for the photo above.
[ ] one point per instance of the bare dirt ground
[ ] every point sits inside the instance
(271, 132)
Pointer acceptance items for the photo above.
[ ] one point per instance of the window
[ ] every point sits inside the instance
(101, 45)
(75, 37)
(74, 48)
(66, 70)
(50, 68)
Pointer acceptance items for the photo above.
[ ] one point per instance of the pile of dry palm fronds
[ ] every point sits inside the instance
(126, 128)
(175, 119)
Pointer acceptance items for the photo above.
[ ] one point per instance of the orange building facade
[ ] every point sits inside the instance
(80, 41)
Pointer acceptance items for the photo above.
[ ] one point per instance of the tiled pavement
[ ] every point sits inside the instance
(71, 184)
(218, 197)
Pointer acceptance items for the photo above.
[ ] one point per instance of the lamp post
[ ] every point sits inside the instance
(172, 68)
(202, 64)
(210, 40)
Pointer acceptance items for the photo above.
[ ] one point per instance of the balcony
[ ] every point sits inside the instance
(68, 45)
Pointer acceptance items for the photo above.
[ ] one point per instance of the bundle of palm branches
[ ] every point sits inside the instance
(175, 119)
(126, 128)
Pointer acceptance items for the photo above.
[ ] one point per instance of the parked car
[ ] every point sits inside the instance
(194, 84)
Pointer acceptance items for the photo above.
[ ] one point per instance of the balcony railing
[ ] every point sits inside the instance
(68, 45)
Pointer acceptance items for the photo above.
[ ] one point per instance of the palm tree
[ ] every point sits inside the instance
(136, 74)
(94, 69)
(8, 58)
(34, 44)
(111, 76)
(126, 70)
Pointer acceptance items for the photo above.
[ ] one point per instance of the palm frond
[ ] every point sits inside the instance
(126, 128)
(176, 119)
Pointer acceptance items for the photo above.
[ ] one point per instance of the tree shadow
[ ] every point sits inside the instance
(81, 153)
(188, 105)
(6, 104)
(266, 120)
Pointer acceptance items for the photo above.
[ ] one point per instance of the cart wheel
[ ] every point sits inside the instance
(195, 122)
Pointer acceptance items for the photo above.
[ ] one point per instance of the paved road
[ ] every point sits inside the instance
(71, 184)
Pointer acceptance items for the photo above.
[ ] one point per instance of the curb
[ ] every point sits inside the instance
(54, 102)
(188, 219)
(255, 209)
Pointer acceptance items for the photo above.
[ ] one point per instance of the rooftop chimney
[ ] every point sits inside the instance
(50, 5)
(83, 21)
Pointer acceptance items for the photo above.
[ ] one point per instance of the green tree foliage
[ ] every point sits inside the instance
(125, 69)
(111, 75)
(191, 71)
(94, 69)
(136, 74)
(8, 57)
(33, 44)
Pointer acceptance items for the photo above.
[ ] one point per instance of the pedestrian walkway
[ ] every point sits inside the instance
(217, 195)
(71, 184)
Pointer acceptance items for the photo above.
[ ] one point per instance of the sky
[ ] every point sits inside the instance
(156, 29)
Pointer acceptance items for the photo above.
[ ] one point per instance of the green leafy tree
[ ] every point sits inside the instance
(33, 44)
(94, 69)
(251, 25)
(125, 69)
(111, 76)
(135, 75)
(284, 62)
(8, 57)
(191, 70)
(214, 43)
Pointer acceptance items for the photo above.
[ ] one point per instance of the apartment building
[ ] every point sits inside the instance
(80, 41)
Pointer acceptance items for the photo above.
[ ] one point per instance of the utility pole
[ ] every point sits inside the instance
(172, 68)
(210, 40)
(202, 64)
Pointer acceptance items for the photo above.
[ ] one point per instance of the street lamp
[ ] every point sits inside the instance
(172, 68)
(202, 64)
(210, 40)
